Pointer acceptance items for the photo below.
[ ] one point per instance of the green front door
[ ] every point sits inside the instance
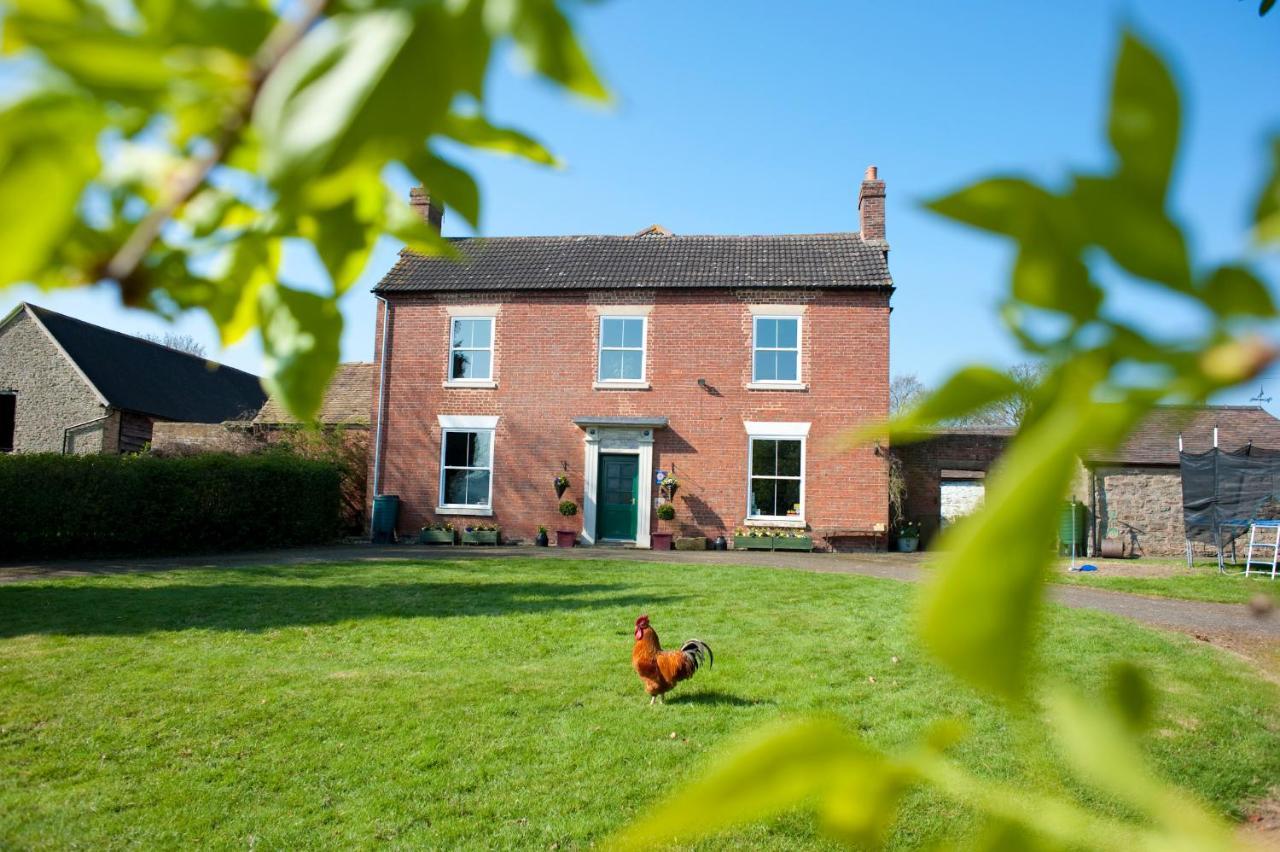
(617, 498)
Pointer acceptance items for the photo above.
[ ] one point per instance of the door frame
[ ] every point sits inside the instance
(629, 441)
(636, 505)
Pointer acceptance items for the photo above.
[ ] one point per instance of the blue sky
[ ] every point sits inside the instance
(740, 117)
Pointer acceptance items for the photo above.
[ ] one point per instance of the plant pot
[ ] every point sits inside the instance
(560, 489)
(541, 540)
(435, 537)
(566, 538)
(660, 541)
(804, 543)
(691, 543)
(480, 537)
(752, 542)
(908, 544)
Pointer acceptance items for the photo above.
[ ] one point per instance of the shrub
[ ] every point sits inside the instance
(666, 512)
(568, 508)
(99, 505)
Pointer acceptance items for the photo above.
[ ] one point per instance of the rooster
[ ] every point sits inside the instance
(661, 670)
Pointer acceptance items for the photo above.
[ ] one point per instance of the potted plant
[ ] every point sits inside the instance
(562, 485)
(541, 540)
(752, 538)
(567, 538)
(908, 536)
(792, 540)
(436, 534)
(668, 487)
(480, 534)
(666, 514)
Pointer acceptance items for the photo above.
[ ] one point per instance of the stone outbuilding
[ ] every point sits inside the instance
(68, 386)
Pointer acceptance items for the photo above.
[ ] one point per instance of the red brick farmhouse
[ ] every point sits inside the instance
(731, 363)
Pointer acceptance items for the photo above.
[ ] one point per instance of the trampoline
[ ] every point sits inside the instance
(1228, 494)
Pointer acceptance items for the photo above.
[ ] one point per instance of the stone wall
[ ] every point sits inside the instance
(51, 394)
(191, 438)
(1144, 505)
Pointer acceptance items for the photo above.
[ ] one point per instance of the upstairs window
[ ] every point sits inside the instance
(471, 349)
(622, 349)
(776, 350)
(466, 468)
(777, 479)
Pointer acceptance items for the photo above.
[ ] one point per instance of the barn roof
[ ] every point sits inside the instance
(347, 401)
(1155, 441)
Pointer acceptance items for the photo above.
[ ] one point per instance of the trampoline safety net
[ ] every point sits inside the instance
(1223, 491)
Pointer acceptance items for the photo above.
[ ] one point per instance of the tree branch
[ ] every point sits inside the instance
(283, 38)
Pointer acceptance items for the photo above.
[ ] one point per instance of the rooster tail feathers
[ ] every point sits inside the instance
(697, 651)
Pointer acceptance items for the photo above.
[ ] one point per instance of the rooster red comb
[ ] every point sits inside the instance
(644, 619)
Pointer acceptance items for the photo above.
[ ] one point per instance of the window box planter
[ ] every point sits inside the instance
(691, 543)
(480, 537)
(752, 542)
(435, 537)
(788, 543)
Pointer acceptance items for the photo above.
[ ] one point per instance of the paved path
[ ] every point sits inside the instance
(1205, 619)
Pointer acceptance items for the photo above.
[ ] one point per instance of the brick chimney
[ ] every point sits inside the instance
(431, 211)
(871, 207)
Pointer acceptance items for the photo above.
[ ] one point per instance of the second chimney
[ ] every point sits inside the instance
(871, 207)
(431, 211)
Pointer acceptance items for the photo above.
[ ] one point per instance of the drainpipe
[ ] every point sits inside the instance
(382, 396)
(1093, 506)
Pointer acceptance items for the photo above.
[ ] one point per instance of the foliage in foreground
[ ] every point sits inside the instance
(175, 147)
(980, 619)
(101, 505)
(463, 703)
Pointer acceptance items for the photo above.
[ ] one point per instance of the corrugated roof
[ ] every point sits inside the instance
(648, 260)
(138, 375)
(1155, 441)
(347, 401)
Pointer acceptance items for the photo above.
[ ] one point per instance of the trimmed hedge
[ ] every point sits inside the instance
(99, 505)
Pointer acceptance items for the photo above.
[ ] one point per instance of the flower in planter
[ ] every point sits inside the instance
(568, 508)
(542, 530)
(909, 529)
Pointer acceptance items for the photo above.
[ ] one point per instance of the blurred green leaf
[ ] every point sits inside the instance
(1144, 119)
(1103, 752)
(1134, 230)
(476, 131)
(313, 101)
(1266, 213)
(1000, 205)
(979, 612)
(300, 335)
(343, 240)
(547, 40)
(449, 183)
(47, 157)
(778, 769)
(1048, 272)
(1131, 695)
(967, 390)
(206, 212)
(1235, 291)
(232, 301)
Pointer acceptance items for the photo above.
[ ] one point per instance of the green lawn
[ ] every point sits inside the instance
(490, 702)
(1199, 583)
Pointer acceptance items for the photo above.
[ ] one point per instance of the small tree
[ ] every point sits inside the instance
(181, 342)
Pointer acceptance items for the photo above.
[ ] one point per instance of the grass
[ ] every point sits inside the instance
(490, 703)
(1202, 582)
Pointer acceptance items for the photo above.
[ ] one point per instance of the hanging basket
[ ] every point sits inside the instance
(561, 485)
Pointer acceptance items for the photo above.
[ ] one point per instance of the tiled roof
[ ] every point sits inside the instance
(348, 400)
(646, 260)
(138, 375)
(1155, 441)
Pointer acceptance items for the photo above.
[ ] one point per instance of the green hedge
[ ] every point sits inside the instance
(99, 505)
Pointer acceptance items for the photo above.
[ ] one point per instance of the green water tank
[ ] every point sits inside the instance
(386, 507)
(1073, 527)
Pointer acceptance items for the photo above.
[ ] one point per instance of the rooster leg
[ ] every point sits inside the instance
(652, 699)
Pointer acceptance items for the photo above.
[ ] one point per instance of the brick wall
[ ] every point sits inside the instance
(545, 364)
(924, 461)
(51, 394)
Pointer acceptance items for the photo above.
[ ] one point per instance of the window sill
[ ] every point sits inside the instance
(622, 386)
(474, 511)
(787, 523)
(467, 383)
(777, 386)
